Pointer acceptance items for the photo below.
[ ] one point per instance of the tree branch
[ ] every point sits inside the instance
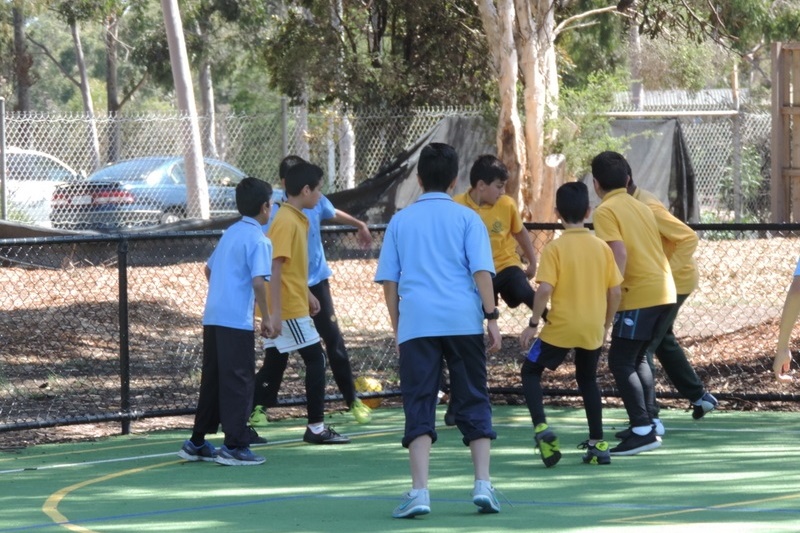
(54, 60)
(127, 96)
(566, 22)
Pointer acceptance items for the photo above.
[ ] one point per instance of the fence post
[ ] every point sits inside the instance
(124, 348)
(736, 142)
(284, 127)
(3, 197)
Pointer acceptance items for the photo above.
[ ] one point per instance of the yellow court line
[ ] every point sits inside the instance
(50, 506)
(642, 519)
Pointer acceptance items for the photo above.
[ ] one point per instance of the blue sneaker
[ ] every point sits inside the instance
(412, 506)
(190, 452)
(238, 457)
(483, 496)
(705, 404)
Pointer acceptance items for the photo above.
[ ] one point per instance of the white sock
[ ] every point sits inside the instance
(414, 492)
(317, 428)
(642, 430)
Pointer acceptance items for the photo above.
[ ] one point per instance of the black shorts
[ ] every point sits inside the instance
(639, 324)
(550, 356)
(513, 286)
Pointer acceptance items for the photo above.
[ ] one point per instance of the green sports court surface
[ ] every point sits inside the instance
(733, 471)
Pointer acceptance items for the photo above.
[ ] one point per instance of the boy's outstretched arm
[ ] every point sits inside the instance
(791, 310)
(524, 240)
(260, 290)
(483, 279)
(364, 236)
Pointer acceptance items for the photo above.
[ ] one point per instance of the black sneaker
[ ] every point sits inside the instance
(254, 437)
(707, 403)
(637, 444)
(328, 436)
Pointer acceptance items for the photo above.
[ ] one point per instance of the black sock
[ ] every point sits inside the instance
(198, 438)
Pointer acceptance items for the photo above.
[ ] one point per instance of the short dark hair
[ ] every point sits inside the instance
(610, 169)
(437, 167)
(487, 168)
(251, 194)
(288, 162)
(300, 175)
(572, 202)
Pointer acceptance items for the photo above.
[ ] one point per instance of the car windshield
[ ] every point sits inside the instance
(137, 170)
(35, 167)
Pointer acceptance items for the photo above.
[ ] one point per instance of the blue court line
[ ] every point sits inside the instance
(513, 504)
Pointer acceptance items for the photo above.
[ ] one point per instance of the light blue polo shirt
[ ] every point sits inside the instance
(242, 253)
(797, 268)
(432, 249)
(318, 269)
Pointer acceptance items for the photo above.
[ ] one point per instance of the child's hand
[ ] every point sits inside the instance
(266, 329)
(275, 325)
(495, 341)
(527, 336)
(781, 365)
(364, 236)
(530, 272)
(313, 304)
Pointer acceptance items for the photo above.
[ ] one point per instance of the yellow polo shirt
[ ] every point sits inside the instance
(581, 269)
(289, 236)
(678, 240)
(648, 278)
(502, 221)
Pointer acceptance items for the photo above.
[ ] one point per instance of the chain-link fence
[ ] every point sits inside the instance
(109, 328)
(729, 152)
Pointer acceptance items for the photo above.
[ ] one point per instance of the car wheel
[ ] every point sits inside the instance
(170, 216)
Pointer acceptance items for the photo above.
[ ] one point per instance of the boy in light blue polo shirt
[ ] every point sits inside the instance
(236, 272)
(436, 269)
(321, 300)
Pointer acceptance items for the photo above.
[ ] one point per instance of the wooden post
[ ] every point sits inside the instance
(778, 189)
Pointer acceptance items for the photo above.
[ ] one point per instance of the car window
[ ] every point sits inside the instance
(126, 171)
(222, 175)
(35, 167)
(174, 175)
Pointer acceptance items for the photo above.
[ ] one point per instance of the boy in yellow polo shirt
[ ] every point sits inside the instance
(577, 273)
(648, 293)
(679, 242)
(289, 304)
(500, 215)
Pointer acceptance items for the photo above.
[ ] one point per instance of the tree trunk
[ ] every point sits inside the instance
(635, 61)
(499, 25)
(112, 88)
(196, 185)
(301, 131)
(86, 97)
(23, 62)
(207, 98)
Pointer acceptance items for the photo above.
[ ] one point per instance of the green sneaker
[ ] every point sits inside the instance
(547, 442)
(258, 418)
(360, 412)
(596, 454)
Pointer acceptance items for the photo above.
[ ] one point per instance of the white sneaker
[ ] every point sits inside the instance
(483, 496)
(415, 505)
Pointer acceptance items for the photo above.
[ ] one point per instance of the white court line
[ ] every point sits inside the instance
(670, 429)
(171, 454)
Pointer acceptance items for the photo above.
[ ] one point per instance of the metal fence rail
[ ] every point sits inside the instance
(108, 328)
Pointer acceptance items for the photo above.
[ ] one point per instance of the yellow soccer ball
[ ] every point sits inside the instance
(367, 384)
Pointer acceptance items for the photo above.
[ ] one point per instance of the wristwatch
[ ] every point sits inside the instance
(532, 324)
(494, 315)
